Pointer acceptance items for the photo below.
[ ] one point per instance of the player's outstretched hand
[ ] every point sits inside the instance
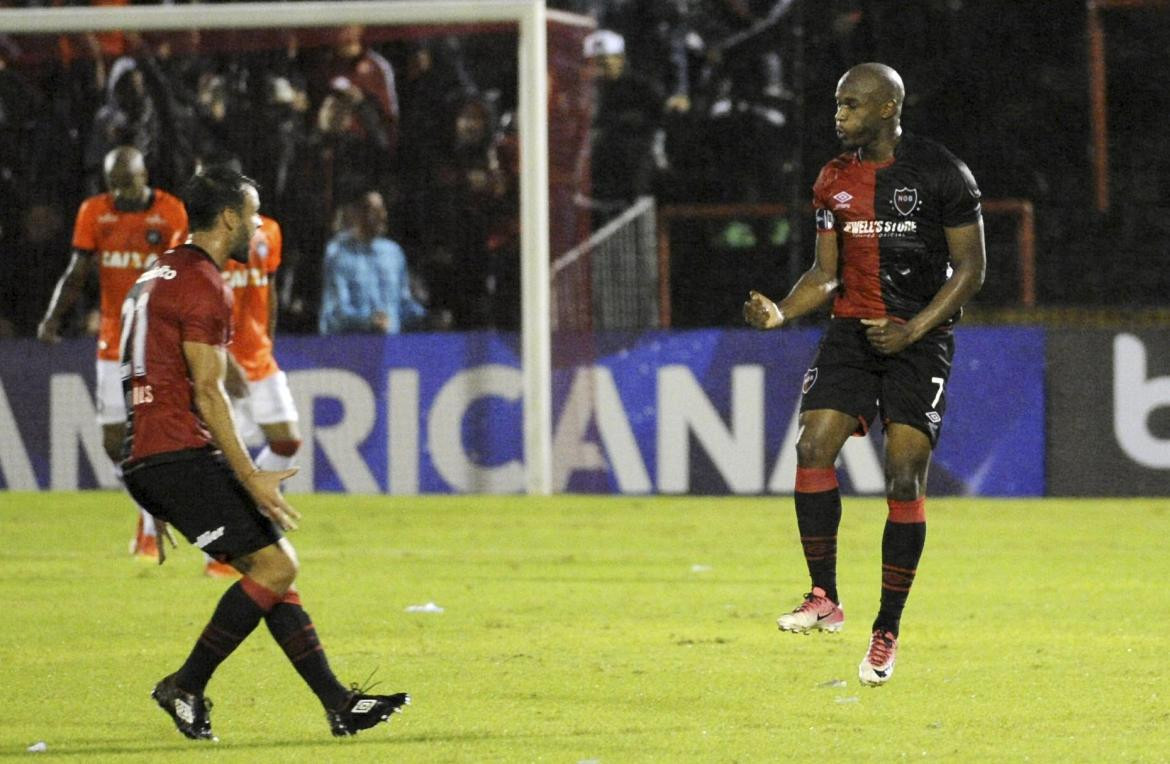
(265, 489)
(761, 312)
(886, 336)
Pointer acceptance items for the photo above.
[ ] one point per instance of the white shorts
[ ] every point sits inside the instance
(269, 401)
(111, 401)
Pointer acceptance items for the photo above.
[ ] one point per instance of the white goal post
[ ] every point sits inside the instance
(531, 16)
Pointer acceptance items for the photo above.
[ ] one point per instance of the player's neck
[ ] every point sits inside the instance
(213, 244)
(123, 204)
(881, 149)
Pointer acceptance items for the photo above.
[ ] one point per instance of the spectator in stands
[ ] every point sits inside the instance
(366, 283)
(352, 65)
(626, 124)
(127, 118)
(138, 111)
(471, 208)
(334, 157)
(433, 71)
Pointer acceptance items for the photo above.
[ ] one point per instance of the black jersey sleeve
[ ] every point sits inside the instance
(959, 194)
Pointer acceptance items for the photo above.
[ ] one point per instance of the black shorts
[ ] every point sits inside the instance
(909, 387)
(198, 493)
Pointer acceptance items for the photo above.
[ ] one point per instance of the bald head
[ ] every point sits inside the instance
(124, 157)
(125, 171)
(878, 81)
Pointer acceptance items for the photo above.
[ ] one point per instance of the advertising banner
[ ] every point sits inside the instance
(705, 411)
(1109, 413)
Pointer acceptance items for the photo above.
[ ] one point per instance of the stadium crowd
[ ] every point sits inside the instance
(687, 100)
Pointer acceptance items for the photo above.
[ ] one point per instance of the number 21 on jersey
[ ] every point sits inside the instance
(134, 320)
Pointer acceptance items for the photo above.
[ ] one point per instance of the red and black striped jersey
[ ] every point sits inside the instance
(889, 219)
(183, 298)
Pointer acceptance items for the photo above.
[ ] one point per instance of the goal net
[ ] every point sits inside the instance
(465, 116)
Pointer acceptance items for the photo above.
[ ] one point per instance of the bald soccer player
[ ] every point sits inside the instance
(899, 251)
(121, 233)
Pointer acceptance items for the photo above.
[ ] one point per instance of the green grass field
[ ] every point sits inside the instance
(608, 630)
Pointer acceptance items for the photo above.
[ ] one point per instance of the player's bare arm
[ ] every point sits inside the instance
(65, 294)
(812, 290)
(208, 367)
(235, 381)
(969, 261)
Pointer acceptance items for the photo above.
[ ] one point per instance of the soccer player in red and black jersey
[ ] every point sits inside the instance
(899, 251)
(186, 464)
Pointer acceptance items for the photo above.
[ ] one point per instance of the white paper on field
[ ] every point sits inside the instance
(697, 568)
(429, 607)
(38, 747)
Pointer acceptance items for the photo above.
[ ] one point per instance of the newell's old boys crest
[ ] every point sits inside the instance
(810, 379)
(905, 200)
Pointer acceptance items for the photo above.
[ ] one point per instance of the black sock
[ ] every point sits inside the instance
(293, 630)
(239, 612)
(818, 514)
(902, 544)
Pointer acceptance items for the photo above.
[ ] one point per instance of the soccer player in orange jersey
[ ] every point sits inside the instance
(266, 408)
(121, 232)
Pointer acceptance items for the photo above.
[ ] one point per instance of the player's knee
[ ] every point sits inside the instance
(275, 570)
(905, 483)
(811, 452)
(287, 447)
(282, 573)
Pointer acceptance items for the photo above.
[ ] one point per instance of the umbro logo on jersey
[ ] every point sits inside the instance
(108, 217)
(842, 196)
(933, 416)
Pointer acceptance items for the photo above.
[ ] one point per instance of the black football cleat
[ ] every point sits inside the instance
(361, 712)
(191, 713)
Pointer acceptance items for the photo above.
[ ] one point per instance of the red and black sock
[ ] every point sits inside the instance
(818, 514)
(239, 612)
(902, 543)
(293, 630)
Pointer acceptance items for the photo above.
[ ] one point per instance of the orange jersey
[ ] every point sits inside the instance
(253, 286)
(125, 244)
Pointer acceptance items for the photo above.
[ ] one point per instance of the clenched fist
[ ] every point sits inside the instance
(761, 312)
